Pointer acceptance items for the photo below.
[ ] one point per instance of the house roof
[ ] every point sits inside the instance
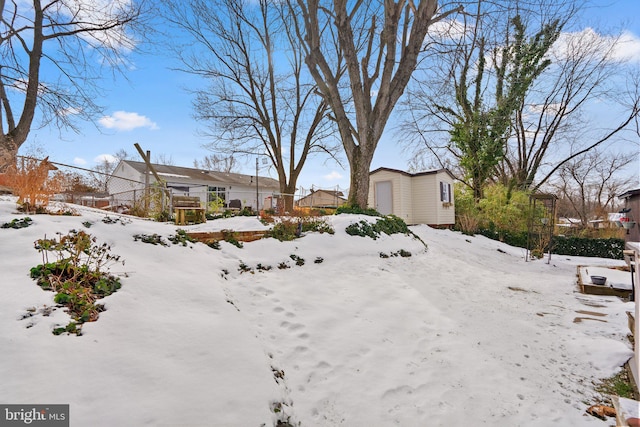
(630, 193)
(182, 174)
(429, 172)
(330, 193)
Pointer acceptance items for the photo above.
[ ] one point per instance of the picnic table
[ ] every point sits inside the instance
(187, 210)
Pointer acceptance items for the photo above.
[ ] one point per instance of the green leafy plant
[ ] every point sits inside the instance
(261, 267)
(389, 224)
(244, 268)
(181, 238)
(79, 275)
(299, 261)
(18, 223)
(287, 230)
(345, 209)
(109, 220)
(153, 239)
(229, 236)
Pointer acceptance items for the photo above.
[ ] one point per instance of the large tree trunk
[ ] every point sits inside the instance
(288, 191)
(359, 181)
(8, 152)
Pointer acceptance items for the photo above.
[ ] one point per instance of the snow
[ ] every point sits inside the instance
(464, 329)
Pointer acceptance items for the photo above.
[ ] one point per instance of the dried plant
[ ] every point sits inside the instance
(31, 182)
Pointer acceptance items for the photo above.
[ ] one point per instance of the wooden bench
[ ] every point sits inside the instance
(188, 210)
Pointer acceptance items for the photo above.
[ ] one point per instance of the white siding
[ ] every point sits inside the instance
(425, 196)
(124, 191)
(400, 193)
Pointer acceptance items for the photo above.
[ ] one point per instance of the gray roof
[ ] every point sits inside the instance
(191, 174)
(429, 172)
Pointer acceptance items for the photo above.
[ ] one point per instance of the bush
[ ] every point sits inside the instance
(345, 209)
(576, 246)
(500, 211)
(511, 238)
(287, 230)
(284, 231)
(389, 224)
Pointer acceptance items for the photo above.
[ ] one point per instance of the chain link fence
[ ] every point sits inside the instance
(99, 188)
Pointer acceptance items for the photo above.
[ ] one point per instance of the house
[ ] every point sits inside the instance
(128, 180)
(631, 214)
(322, 199)
(417, 198)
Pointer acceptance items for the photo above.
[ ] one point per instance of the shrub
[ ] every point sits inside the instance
(576, 246)
(284, 231)
(345, 209)
(287, 230)
(389, 224)
(32, 184)
(500, 211)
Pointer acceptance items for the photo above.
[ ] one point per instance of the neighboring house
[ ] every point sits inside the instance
(632, 204)
(322, 199)
(238, 190)
(417, 198)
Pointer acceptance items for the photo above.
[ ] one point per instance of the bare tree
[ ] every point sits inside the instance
(260, 101)
(371, 48)
(214, 162)
(461, 104)
(52, 52)
(590, 183)
(552, 123)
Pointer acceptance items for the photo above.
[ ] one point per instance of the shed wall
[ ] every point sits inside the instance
(400, 193)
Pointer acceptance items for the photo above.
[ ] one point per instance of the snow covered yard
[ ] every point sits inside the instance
(461, 331)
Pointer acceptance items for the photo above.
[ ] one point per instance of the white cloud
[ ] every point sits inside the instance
(123, 120)
(590, 44)
(333, 176)
(79, 161)
(105, 158)
(628, 47)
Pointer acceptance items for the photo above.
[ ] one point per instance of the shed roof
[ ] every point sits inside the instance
(429, 172)
(191, 174)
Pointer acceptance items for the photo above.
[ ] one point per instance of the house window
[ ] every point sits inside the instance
(445, 192)
(217, 193)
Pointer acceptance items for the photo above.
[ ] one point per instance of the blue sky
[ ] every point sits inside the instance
(153, 108)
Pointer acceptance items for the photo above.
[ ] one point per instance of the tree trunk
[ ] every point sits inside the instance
(288, 191)
(359, 182)
(8, 152)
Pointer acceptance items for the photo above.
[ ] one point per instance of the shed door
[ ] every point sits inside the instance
(384, 200)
